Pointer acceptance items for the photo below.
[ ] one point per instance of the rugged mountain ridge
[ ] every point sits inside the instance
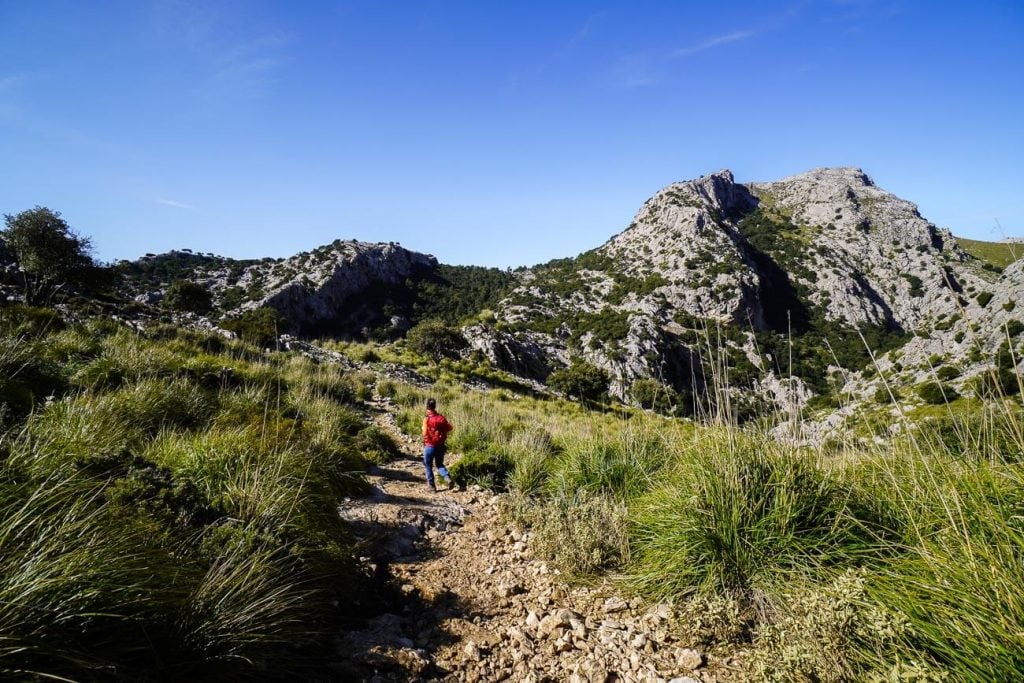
(780, 291)
(823, 267)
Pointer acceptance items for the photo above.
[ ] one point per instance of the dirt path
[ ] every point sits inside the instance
(470, 602)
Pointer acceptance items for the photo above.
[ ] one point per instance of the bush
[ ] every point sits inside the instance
(188, 296)
(995, 383)
(19, 320)
(435, 340)
(620, 467)
(376, 445)
(884, 396)
(259, 326)
(581, 380)
(936, 393)
(489, 469)
(833, 633)
(653, 395)
(983, 298)
(580, 534)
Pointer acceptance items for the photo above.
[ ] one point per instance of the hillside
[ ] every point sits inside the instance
(774, 297)
(346, 288)
(996, 254)
(174, 505)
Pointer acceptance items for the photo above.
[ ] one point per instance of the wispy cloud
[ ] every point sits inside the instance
(587, 28)
(716, 41)
(239, 57)
(11, 81)
(176, 204)
(635, 71)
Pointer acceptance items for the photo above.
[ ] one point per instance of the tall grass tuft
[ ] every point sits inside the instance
(739, 517)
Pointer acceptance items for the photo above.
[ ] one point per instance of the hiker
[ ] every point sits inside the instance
(435, 431)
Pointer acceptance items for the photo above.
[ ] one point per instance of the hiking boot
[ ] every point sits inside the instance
(432, 487)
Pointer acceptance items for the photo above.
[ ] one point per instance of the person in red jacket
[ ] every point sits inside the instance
(435, 431)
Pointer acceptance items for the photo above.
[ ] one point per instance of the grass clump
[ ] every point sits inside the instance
(741, 518)
(580, 534)
(170, 511)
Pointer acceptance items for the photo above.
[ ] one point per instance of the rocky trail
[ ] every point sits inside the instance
(471, 603)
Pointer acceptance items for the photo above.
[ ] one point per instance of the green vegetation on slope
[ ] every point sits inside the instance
(168, 504)
(448, 293)
(996, 254)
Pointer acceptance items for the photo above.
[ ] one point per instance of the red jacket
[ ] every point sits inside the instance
(435, 429)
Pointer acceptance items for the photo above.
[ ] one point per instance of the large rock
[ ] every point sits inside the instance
(518, 354)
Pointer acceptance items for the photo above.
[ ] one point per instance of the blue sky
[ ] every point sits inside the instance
(492, 133)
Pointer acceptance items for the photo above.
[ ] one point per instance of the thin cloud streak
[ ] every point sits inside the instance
(588, 26)
(734, 37)
(176, 204)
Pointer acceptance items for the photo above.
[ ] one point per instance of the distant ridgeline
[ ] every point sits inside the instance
(763, 296)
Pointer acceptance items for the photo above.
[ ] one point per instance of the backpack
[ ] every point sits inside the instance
(437, 429)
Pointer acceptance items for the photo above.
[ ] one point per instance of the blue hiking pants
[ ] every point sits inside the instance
(434, 455)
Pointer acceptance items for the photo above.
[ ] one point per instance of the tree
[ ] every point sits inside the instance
(581, 380)
(185, 295)
(49, 253)
(434, 339)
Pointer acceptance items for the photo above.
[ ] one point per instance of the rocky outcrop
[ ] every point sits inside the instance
(323, 287)
(334, 289)
(522, 355)
(690, 294)
(826, 249)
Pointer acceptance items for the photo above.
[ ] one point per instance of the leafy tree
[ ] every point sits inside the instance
(185, 295)
(582, 380)
(434, 339)
(49, 253)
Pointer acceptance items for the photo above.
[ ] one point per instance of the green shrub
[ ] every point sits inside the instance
(188, 296)
(581, 380)
(955, 577)
(20, 320)
(947, 372)
(995, 383)
(489, 469)
(983, 298)
(834, 633)
(435, 340)
(259, 326)
(622, 467)
(883, 395)
(935, 393)
(980, 435)
(376, 445)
